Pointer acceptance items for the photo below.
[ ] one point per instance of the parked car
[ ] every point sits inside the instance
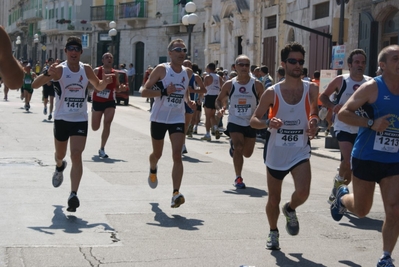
(123, 95)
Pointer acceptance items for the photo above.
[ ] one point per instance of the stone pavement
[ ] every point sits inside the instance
(318, 144)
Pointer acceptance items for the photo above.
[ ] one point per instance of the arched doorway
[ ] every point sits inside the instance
(390, 29)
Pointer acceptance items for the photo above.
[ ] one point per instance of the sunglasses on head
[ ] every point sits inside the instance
(243, 64)
(293, 61)
(179, 49)
(73, 48)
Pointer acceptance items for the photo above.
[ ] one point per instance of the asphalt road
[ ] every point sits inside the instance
(122, 222)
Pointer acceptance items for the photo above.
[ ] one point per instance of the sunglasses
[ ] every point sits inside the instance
(179, 49)
(293, 61)
(71, 48)
(243, 64)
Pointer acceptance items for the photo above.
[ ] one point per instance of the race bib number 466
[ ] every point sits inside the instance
(290, 137)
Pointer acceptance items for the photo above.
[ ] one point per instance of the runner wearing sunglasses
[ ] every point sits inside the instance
(70, 114)
(168, 113)
(291, 106)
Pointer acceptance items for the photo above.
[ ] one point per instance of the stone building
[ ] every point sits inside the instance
(225, 29)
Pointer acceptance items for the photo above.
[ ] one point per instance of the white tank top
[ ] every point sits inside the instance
(288, 145)
(347, 89)
(214, 88)
(170, 109)
(243, 101)
(70, 100)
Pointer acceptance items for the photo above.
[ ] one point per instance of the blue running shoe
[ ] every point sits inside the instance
(238, 183)
(337, 208)
(386, 261)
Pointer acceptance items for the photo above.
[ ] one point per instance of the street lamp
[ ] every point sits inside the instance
(112, 33)
(189, 21)
(35, 41)
(18, 43)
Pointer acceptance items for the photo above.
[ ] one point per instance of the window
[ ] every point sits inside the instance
(270, 22)
(322, 10)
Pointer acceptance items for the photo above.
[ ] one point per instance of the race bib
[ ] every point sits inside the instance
(174, 100)
(104, 93)
(289, 138)
(28, 81)
(243, 110)
(73, 104)
(386, 142)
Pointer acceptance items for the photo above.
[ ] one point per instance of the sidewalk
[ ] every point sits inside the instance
(318, 144)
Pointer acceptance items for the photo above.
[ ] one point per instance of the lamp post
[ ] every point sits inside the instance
(18, 43)
(189, 21)
(112, 33)
(35, 41)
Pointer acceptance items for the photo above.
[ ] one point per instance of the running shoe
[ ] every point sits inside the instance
(206, 137)
(195, 129)
(152, 179)
(184, 149)
(101, 154)
(272, 241)
(45, 111)
(26, 107)
(49, 117)
(217, 134)
(58, 176)
(73, 202)
(177, 200)
(292, 225)
(336, 185)
(231, 150)
(385, 261)
(337, 208)
(238, 183)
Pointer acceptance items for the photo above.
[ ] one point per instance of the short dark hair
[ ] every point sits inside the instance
(211, 66)
(305, 71)
(264, 69)
(316, 74)
(356, 52)
(291, 47)
(253, 67)
(281, 71)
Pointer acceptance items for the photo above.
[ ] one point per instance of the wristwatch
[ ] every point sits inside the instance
(370, 123)
(45, 73)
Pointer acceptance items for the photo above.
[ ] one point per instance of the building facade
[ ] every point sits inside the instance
(225, 29)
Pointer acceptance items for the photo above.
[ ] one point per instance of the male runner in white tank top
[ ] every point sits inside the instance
(344, 86)
(70, 114)
(243, 92)
(293, 121)
(168, 113)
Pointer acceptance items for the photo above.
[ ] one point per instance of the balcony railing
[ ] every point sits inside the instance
(137, 9)
(75, 26)
(32, 14)
(171, 19)
(48, 25)
(103, 13)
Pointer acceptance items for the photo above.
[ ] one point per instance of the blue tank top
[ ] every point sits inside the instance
(379, 146)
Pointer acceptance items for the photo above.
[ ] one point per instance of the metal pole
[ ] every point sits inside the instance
(190, 30)
(341, 28)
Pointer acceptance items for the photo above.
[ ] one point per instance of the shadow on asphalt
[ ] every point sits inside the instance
(68, 223)
(96, 158)
(349, 263)
(365, 223)
(249, 191)
(283, 260)
(176, 221)
(193, 160)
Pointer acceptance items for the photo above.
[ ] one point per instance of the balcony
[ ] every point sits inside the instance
(48, 26)
(102, 15)
(133, 10)
(75, 26)
(12, 28)
(32, 14)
